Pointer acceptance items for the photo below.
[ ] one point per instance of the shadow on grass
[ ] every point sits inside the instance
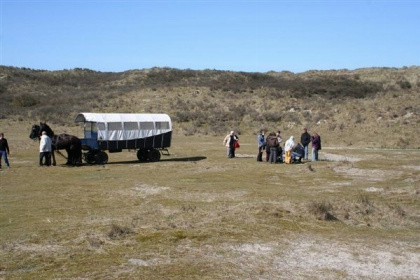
(185, 159)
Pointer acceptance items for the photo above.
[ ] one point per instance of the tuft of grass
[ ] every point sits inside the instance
(398, 210)
(321, 210)
(365, 206)
(119, 231)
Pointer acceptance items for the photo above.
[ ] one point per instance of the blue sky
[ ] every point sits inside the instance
(251, 36)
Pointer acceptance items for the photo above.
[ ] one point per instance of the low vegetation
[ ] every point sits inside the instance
(350, 107)
(197, 214)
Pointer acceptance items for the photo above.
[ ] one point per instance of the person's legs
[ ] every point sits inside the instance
(47, 159)
(288, 157)
(6, 160)
(316, 154)
(1, 156)
(306, 152)
(273, 155)
(231, 152)
(41, 157)
(260, 152)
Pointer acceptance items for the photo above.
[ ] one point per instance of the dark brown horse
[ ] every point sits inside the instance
(70, 143)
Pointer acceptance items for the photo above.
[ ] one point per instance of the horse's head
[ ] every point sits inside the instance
(46, 128)
(35, 132)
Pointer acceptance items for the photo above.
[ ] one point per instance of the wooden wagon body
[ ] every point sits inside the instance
(149, 134)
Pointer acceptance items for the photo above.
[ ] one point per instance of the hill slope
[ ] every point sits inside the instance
(375, 107)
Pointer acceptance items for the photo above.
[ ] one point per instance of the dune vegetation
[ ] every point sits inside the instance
(197, 214)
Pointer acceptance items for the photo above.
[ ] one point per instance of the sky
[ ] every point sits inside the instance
(247, 35)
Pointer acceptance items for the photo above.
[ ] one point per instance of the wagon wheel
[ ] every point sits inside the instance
(89, 157)
(142, 155)
(101, 158)
(154, 155)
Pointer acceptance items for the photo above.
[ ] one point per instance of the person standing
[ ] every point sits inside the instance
(229, 142)
(267, 149)
(4, 150)
(280, 150)
(316, 146)
(273, 143)
(44, 149)
(288, 148)
(305, 139)
(261, 145)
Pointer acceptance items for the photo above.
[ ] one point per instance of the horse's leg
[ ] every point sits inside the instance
(76, 155)
(72, 158)
(69, 157)
(54, 163)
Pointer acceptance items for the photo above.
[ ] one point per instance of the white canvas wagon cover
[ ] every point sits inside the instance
(126, 126)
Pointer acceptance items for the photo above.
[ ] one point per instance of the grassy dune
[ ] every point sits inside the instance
(199, 215)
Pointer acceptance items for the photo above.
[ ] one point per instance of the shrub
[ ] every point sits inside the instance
(321, 210)
(118, 231)
(366, 206)
(404, 84)
(25, 100)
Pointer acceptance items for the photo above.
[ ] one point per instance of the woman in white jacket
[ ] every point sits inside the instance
(45, 149)
(288, 147)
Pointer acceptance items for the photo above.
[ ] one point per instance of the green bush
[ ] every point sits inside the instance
(25, 100)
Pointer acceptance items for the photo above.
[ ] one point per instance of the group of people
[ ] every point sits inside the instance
(45, 150)
(272, 144)
(292, 152)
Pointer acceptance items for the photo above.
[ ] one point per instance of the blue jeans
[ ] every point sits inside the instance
(3, 154)
(314, 154)
(273, 155)
(306, 152)
(231, 152)
(45, 155)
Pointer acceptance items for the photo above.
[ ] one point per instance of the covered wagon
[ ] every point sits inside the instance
(149, 134)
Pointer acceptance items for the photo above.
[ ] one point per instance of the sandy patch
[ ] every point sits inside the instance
(366, 174)
(212, 197)
(308, 258)
(414, 167)
(354, 260)
(335, 157)
(144, 190)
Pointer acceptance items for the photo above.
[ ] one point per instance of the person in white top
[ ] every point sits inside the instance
(288, 147)
(45, 149)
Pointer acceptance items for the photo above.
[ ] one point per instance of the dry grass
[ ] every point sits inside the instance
(371, 107)
(199, 215)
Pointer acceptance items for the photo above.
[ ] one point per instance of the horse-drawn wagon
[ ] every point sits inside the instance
(149, 134)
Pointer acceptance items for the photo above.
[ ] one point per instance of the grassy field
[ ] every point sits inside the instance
(198, 215)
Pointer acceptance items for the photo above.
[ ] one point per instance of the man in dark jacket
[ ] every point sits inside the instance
(4, 150)
(305, 139)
